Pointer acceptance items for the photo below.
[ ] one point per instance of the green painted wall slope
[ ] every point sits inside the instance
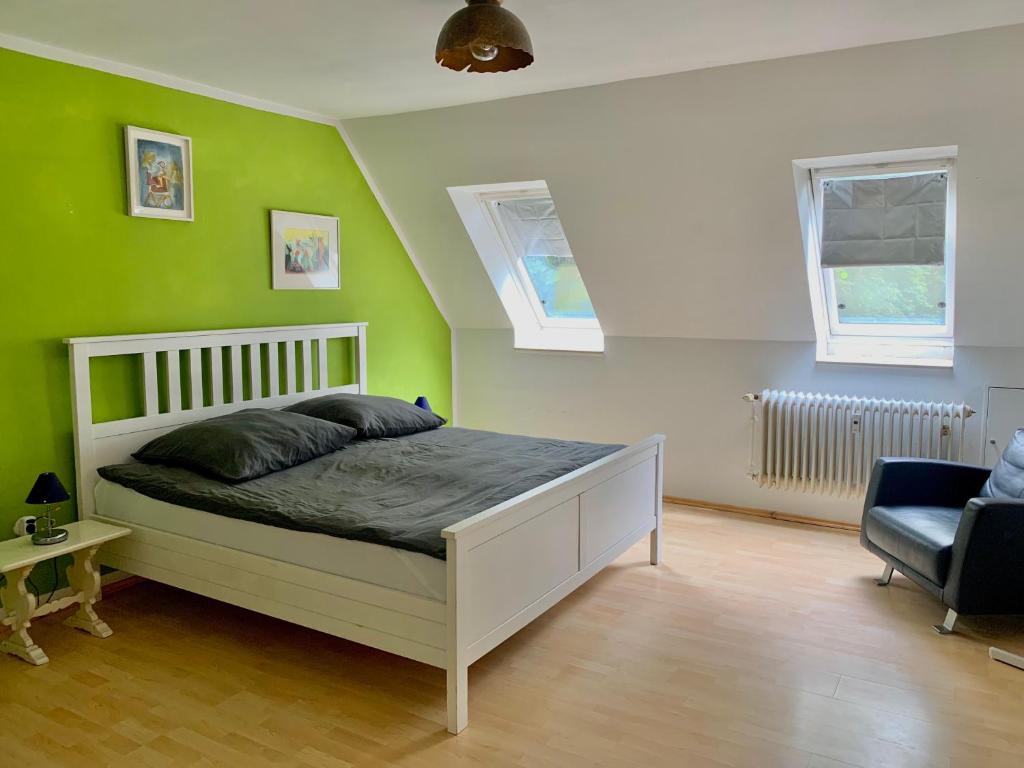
(74, 264)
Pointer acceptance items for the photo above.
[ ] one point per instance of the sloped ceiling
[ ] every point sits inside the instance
(346, 58)
(677, 195)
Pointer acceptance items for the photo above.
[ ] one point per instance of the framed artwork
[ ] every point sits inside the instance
(304, 251)
(159, 174)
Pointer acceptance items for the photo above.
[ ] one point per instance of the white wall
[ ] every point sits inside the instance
(676, 193)
(691, 389)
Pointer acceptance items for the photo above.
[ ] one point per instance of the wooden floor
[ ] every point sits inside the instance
(757, 643)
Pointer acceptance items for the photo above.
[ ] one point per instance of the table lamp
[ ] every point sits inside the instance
(49, 491)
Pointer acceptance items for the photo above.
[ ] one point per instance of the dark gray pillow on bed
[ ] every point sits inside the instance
(370, 415)
(246, 444)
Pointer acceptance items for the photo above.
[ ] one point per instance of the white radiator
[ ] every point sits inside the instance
(818, 443)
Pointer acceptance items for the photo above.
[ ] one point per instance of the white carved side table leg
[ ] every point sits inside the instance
(84, 578)
(20, 605)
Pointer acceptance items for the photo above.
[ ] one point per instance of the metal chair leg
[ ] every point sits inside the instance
(946, 627)
(885, 578)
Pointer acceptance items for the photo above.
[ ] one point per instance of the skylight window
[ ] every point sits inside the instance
(879, 240)
(543, 254)
(519, 237)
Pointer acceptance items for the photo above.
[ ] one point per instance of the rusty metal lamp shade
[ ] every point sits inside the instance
(484, 37)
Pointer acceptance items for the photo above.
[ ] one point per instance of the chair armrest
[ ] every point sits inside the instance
(924, 482)
(985, 573)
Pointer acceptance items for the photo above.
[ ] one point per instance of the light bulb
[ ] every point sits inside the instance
(484, 52)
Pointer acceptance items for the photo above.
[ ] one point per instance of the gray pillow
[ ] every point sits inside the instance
(246, 444)
(370, 415)
(1007, 478)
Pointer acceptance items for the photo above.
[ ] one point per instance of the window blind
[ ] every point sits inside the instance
(535, 223)
(899, 220)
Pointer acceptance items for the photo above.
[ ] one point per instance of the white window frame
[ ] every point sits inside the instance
(513, 247)
(499, 250)
(915, 345)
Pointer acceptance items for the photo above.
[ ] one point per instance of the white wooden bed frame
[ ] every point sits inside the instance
(505, 566)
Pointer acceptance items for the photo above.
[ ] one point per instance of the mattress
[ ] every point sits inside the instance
(397, 569)
(396, 492)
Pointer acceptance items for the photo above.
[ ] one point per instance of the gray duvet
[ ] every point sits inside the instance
(399, 492)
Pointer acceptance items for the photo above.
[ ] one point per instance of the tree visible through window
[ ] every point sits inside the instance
(559, 286)
(902, 295)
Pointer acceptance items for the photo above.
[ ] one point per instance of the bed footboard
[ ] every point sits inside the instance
(508, 565)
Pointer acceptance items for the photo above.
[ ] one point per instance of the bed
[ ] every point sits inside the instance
(444, 599)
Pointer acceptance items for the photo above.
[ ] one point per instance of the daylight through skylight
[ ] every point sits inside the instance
(522, 244)
(533, 225)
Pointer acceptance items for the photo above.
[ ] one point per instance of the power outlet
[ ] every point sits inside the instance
(25, 526)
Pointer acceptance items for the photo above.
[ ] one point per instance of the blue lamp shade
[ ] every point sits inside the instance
(47, 490)
(422, 402)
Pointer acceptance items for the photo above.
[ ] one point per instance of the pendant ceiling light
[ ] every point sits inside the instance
(484, 37)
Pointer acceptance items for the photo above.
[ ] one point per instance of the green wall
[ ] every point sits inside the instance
(75, 264)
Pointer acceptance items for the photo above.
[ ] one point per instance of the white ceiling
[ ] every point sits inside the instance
(351, 58)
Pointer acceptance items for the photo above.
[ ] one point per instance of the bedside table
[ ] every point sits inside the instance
(19, 556)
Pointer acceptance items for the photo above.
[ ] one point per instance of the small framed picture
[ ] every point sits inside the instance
(304, 251)
(159, 174)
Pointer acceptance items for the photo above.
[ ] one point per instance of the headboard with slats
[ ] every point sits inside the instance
(226, 371)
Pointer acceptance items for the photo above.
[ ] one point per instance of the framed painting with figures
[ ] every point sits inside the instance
(304, 251)
(159, 174)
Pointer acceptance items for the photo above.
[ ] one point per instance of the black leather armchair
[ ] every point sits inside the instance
(926, 519)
